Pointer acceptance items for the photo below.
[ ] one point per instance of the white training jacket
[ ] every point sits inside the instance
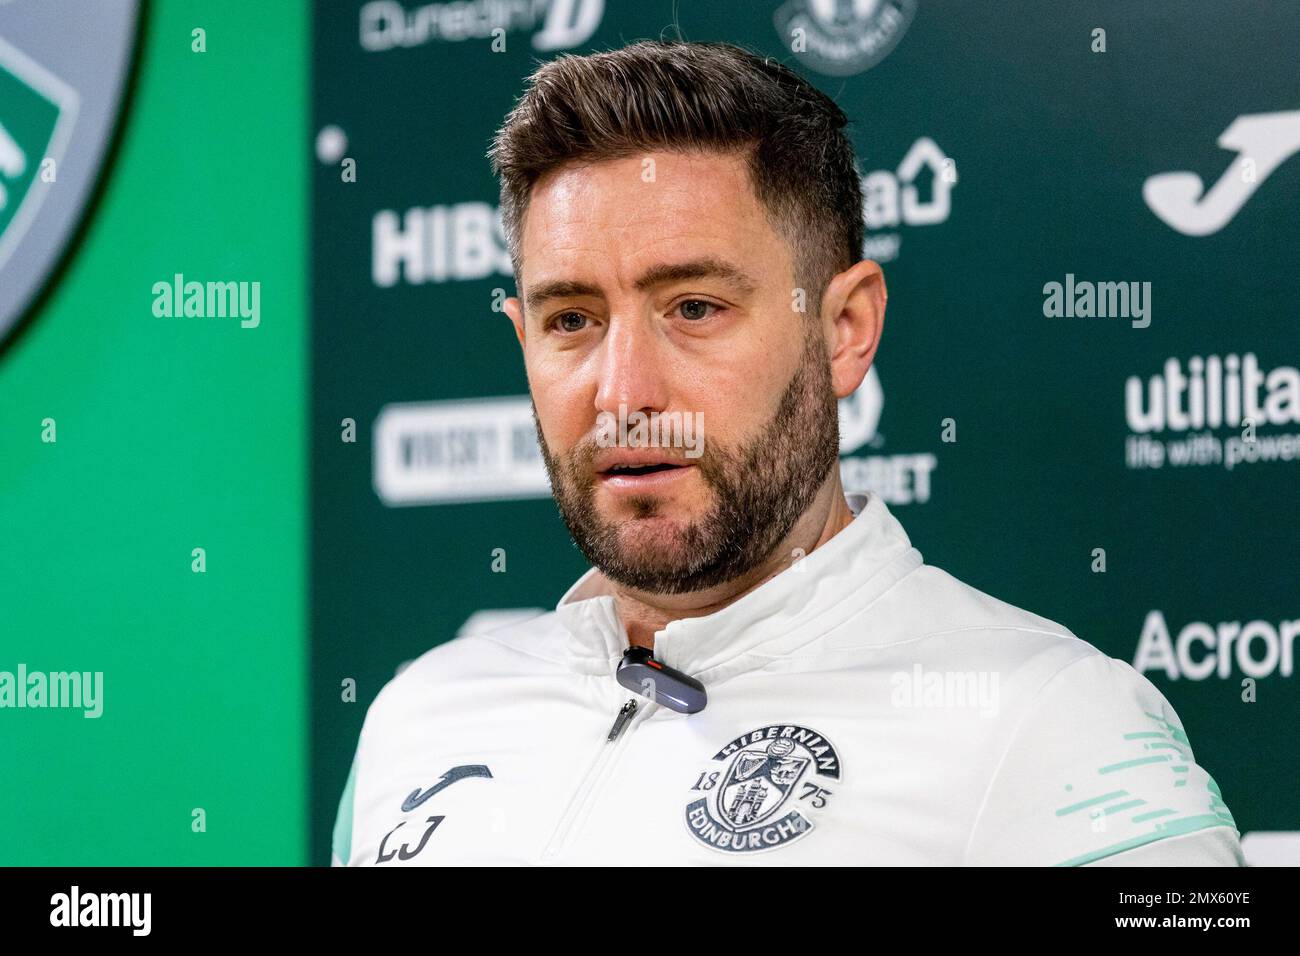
(863, 708)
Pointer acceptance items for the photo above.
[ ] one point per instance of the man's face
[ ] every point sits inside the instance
(655, 284)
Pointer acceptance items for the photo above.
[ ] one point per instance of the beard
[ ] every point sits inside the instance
(759, 490)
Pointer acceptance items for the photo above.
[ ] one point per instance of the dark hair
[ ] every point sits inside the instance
(685, 96)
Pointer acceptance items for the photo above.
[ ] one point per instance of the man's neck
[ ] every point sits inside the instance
(644, 614)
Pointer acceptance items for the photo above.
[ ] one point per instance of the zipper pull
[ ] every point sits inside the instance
(623, 717)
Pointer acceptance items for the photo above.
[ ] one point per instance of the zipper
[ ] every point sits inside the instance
(623, 717)
(610, 747)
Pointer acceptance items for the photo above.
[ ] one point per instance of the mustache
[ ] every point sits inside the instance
(584, 451)
(577, 465)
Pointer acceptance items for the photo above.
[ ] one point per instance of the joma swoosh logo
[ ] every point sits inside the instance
(418, 797)
(1262, 141)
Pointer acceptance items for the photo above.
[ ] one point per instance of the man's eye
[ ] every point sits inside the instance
(569, 321)
(696, 309)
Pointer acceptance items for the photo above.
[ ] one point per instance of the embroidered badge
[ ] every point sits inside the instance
(759, 789)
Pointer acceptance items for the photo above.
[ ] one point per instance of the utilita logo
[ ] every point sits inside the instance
(918, 193)
(1262, 142)
(1212, 392)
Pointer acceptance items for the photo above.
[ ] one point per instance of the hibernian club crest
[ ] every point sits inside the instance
(763, 789)
(64, 67)
(842, 37)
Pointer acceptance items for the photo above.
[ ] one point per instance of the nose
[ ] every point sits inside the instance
(631, 372)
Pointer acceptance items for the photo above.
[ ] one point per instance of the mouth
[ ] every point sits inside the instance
(639, 469)
(651, 476)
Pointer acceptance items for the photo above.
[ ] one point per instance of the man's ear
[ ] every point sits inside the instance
(514, 308)
(853, 315)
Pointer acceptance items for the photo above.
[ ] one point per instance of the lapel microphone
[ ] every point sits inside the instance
(639, 672)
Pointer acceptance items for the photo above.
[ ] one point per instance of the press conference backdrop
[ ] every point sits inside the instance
(1086, 400)
(1086, 215)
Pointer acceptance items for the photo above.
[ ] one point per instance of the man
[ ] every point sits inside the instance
(685, 224)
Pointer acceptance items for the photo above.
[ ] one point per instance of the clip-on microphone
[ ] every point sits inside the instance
(671, 687)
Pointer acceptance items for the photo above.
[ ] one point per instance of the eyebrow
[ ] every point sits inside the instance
(705, 268)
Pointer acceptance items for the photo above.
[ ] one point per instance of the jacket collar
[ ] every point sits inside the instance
(785, 612)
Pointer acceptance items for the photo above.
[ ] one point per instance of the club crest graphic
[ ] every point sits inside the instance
(64, 68)
(763, 789)
(843, 37)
